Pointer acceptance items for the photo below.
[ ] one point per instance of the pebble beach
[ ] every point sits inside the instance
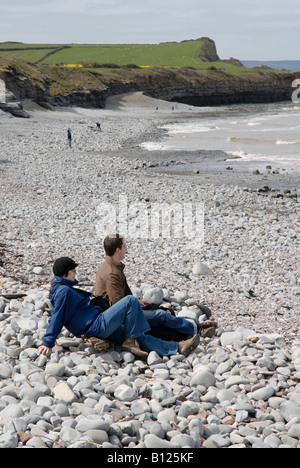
(240, 388)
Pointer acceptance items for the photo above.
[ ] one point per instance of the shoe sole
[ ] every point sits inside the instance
(192, 346)
(208, 333)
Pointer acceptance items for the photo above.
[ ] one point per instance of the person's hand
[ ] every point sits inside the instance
(144, 303)
(44, 350)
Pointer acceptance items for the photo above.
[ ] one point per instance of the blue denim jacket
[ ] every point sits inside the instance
(70, 308)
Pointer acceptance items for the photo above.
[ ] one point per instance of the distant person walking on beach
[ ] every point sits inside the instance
(69, 135)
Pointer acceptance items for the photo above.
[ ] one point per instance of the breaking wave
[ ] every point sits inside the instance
(282, 142)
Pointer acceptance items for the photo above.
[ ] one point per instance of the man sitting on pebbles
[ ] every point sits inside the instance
(123, 323)
(111, 284)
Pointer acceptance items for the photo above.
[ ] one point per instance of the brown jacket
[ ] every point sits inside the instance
(111, 282)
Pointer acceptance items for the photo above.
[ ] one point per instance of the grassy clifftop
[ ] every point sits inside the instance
(200, 53)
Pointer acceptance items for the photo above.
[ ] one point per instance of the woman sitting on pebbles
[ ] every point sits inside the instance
(123, 323)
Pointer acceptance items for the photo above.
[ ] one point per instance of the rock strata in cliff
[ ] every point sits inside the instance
(24, 80)
(15, 109)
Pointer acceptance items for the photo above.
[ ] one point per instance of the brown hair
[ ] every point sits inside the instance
(112, 243)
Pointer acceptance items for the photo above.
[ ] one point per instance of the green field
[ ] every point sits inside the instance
(30, 52)
(170, 54)
(155, 55)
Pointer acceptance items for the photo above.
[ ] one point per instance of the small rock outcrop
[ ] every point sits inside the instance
(208, 52)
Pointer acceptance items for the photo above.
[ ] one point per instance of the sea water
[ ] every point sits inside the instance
(292, 65)
(266, 133)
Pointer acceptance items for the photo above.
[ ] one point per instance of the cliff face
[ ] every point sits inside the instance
(190, 86)
(23, 80)
(58, 86)
(222, 88)
(210, 88)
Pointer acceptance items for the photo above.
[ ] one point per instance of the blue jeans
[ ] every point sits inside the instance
(161, 318)
(126, 319)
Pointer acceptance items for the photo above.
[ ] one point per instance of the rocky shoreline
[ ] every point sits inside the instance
(239, 389)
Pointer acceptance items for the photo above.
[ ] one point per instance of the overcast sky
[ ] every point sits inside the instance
(244, 29)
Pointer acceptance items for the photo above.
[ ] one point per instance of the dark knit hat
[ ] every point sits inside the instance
(63, 265)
